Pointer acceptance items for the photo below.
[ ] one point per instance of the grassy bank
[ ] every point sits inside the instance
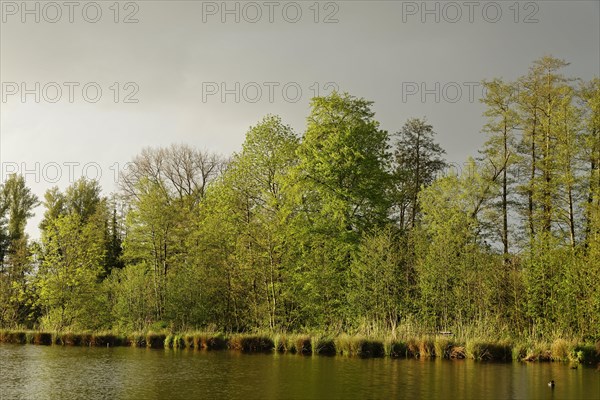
(434, 346)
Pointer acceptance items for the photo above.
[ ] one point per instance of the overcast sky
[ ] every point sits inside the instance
(188, 72)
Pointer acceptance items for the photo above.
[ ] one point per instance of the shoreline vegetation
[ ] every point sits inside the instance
(424, 347)
(340, 228)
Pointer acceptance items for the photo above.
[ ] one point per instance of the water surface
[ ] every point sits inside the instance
(55, 372)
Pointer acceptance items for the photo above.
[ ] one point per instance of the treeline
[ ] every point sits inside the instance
(346, 228)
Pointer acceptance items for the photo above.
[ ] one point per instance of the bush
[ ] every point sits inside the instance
(586, 354)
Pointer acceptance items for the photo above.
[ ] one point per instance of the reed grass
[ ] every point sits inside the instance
(42, 338)
(424, 346)
(251, 343)
(323, 345)
(488, 351)
(188, 341)
(359, 346)
(293, 343)
(559, 350)
(412, 348)
(155, 340)
(396, 349)
(209, 341)
(444, 347)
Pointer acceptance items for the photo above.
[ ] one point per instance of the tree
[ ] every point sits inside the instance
(417, 161)
(379, 284)
(179, 170)
(340, 189)
(83, 198)
(67, 280)
(543, 92)
(250, 202)
(153, 241)
(16, 295)
(345, 161)
(162, 189)
(500, 148)
(457, 275)
(590, 142)
(20, 203)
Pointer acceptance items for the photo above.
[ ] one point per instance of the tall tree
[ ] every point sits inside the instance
(590, 98)
(542, 94)
(341, 189)
(20, 203)
(16, 295)
(500, 148)
(418, 159)
(67, 280)
(345, 161)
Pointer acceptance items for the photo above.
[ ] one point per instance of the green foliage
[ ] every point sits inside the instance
(418, 160)
(344, 163)
(380, 283)
(339, 230)
(16, 295)
(70, 264)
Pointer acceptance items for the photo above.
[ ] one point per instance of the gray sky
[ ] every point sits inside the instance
(185, 62)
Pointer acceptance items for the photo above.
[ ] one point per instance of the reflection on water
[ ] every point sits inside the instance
(39, 372)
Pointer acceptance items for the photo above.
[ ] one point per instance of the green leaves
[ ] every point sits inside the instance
(70, 264)
(345, 162)
(334, 230)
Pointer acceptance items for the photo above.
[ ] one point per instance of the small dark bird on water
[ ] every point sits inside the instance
(551, 384)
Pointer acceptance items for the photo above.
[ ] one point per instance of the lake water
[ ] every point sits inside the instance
(55, 372)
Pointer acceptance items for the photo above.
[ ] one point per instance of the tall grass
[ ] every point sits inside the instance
(359, 346)
(423, 346)
(322, 345)
(292, 343)
(251, 343)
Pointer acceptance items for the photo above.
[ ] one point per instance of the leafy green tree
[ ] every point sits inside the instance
(153, 242)
(67, 280)
(54, 203)
(418, 159)
(340, 188)
(131, 298)
(252, 195)
(16, 295)
(455, 269)
(345, 162)
(20, 203)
